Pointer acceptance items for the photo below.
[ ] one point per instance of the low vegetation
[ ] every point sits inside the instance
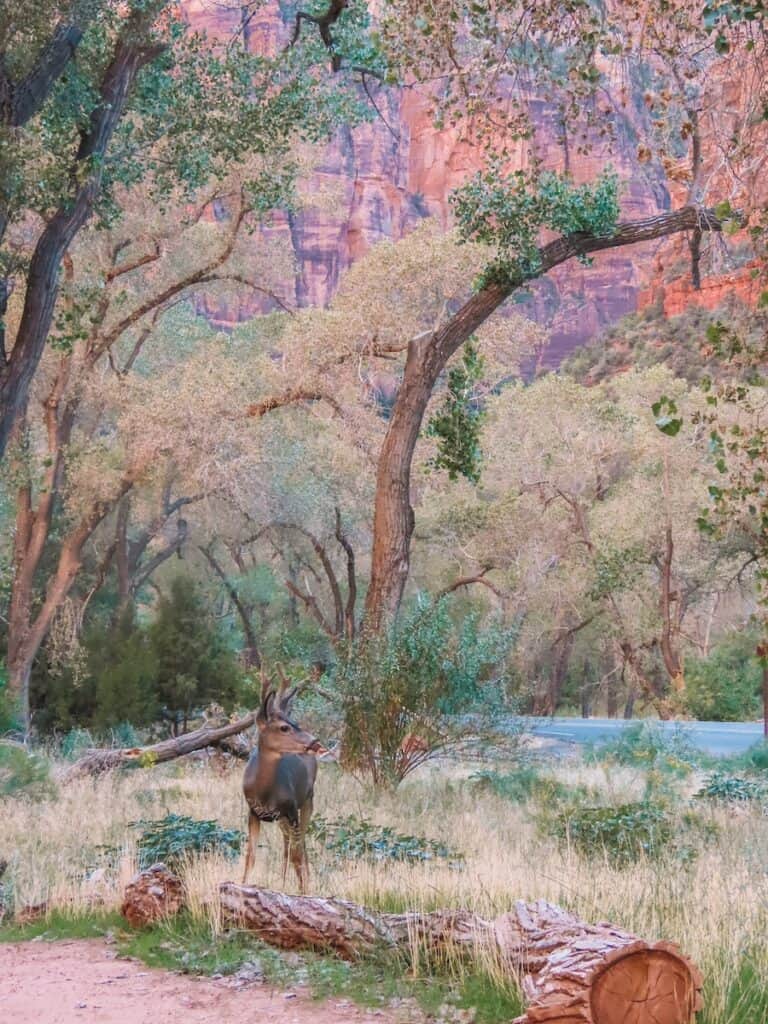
(449, 836)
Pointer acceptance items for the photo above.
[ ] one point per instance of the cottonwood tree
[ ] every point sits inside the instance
(586, 517)
(88, 90)
(96, 441)
(489, 65)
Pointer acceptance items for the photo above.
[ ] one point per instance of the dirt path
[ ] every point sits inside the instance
(82, 983)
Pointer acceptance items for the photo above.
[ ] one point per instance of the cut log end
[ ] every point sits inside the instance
(655, 984)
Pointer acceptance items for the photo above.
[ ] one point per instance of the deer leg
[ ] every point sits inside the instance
(305, 815)
(285, 828)
(254, 826)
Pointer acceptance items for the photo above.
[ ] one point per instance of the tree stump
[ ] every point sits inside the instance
(152, 895)
(573, 972)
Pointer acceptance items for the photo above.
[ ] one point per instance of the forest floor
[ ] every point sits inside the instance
(72, 982)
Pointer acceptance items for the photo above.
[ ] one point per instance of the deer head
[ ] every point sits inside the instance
(278, 733)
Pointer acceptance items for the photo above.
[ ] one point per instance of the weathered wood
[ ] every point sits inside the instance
(152, 895)
(573, 972)
(95, 762)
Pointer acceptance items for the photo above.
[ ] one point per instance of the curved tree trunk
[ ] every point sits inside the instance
(573, 972)
(427, 357)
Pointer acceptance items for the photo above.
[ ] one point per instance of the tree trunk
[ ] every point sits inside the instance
(428, 355)
(95, 762)
(574, 973)
(42, 278)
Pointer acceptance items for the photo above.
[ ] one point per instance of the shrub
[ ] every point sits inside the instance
(726, 686)
(524, 783)
(733, 788)
(356, 838)
(650, 747)
(23, 773)
(629, 832)
(757, 757)
(401, 693)
(176, 838)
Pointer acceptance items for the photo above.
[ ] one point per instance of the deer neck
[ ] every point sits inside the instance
(267, 770)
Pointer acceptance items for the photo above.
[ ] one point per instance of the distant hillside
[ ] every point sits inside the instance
(650, 337)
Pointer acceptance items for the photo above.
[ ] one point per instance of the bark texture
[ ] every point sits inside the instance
(95, 762)
(152, 895)
(573, 972)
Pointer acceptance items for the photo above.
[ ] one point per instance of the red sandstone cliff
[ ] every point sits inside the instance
(389, 175)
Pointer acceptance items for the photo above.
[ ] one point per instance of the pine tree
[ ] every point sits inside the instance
(193, 664)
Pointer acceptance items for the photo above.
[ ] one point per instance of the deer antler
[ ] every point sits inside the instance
(286, 692)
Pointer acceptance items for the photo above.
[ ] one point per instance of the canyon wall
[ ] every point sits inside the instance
(388, 174)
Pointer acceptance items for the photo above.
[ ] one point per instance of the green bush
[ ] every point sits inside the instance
(628, 833)
(415, 680)
(757, 757)
(526, 782)
(721, 785)
(650, 747)
(726, 686)
(177, 838)
(23, 773)
(355, 838)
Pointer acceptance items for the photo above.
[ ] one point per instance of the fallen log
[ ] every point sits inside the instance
(573, 972)
(95, 762)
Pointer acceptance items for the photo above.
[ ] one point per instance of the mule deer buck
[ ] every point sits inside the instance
(280, 777)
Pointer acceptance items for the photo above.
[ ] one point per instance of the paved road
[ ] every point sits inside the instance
(719, 738)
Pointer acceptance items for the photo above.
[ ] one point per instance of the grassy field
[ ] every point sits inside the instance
(76, 851)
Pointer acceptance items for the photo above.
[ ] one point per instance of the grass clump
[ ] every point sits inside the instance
(177, 838)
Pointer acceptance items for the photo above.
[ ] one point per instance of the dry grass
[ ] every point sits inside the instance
(717, 909)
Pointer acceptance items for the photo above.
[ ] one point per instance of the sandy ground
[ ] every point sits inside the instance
(81, 981)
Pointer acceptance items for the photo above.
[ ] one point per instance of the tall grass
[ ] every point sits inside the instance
(76, 851)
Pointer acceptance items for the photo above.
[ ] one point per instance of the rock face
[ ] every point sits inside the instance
(392, 172)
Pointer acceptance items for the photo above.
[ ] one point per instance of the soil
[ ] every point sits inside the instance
(82, 982)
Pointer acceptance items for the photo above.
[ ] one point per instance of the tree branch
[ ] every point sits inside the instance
(349, 612)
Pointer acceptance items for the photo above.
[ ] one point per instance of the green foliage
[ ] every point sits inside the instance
(193, 665)
(124, 672)
(650, 747)
(508, 212)
(728, 788)
(9, 718)
(628, 833)
(414, 680)
(726, 686)
(23, 774)
(757, 757)
(355, 838)
(458, 422)
(526, 782)
(177, 838)
(132, 674)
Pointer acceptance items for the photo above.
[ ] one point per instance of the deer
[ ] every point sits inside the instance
(279, 778)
